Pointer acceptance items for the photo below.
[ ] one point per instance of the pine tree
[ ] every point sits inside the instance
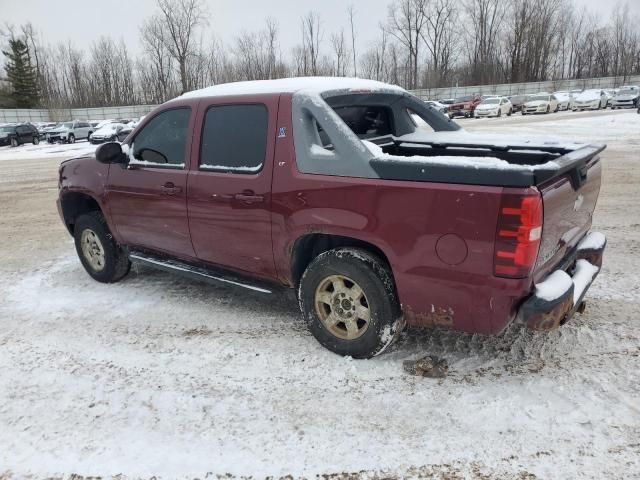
(21, 74)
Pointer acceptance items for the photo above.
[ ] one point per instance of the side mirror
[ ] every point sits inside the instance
(111, 153)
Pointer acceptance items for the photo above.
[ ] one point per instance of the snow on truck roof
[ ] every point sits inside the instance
(291, 85)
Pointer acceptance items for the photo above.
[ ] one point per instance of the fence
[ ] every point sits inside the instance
(11, 116)
(56, 115)
(507, 89)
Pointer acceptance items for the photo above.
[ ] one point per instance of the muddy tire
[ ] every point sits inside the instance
(349, 302)
(14, 142)
(98, 251)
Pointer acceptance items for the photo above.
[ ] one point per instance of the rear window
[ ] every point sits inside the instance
(234, 138)
(366, 121)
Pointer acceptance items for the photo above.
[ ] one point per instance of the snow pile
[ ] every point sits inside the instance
(227, 168)
(582, 278)
(291, 85)
(593, 241)
(554, 286)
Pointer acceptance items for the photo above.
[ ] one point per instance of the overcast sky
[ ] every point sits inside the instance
(83, 21)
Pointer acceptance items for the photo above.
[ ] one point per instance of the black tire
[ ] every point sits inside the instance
(499, 112)
(14, 142)
(36, 140)
(548, 109)
(71, 138)
(116, 262)
(510, 112)
(375, 280)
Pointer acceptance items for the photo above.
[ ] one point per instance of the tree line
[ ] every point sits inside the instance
(420, 44)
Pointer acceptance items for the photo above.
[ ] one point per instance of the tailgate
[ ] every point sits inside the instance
(569, 201)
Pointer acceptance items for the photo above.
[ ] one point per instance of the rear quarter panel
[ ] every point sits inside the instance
(438, 238)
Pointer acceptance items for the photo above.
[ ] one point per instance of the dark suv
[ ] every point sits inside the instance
(15, 135)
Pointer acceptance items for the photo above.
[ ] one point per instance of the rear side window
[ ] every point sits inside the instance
(163, 140)
(234, 138)
(366, 121)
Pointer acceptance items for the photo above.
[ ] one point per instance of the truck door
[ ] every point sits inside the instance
(147, 199)
(229, 199)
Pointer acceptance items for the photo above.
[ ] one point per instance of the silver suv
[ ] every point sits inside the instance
(69, 132)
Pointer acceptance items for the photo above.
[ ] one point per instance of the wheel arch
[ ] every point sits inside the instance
(309, 246)
(74, 204)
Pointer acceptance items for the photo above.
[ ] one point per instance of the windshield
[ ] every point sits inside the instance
(491, 101)
(67, 124)
(467, 98)
(6, 129)
(538, 98)
(628, 91)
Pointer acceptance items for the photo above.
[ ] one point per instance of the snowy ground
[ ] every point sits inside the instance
(161, 376)
(29, 151)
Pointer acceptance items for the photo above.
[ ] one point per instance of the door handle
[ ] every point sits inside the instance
(248, 196)
(169, 188)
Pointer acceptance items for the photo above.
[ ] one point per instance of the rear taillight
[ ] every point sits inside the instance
(518, 234)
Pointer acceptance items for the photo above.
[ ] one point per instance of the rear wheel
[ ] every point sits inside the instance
(348, 300)
(99, 253)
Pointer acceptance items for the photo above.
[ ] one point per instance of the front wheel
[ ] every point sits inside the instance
(548, 109)
(72, 138)
(348, 300)
(510, 112)
(14, 142)
(36, 140)
(99, 253)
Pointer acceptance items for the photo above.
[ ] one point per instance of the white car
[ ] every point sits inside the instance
(626, 97)
(564, 100)
(107, 133)
(69, 132)
(593, 99)
(494, 107)
(540, 103)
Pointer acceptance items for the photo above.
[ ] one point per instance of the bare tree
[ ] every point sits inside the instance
(181, 20)
(340, 53)
(406, 22)
(311, 39)
(440, 38)
(352, 13)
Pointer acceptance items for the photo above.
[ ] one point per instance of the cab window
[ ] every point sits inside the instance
(163, 140)
(234, 138)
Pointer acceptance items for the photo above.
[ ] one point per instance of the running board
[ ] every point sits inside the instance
(194, 272)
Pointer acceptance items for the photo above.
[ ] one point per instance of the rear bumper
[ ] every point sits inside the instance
(561, 294)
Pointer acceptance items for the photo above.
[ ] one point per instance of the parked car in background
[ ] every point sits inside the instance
(518, 101)
(464, 106)
(540, 103)
(627, 97)
(111, 132)
(18, 134)
(610, 93)
(564, 100)
(494, 107)
(593, 99)
(442, 108)
(69, 132)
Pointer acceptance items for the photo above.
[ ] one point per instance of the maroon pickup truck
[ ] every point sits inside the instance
(379, 211)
